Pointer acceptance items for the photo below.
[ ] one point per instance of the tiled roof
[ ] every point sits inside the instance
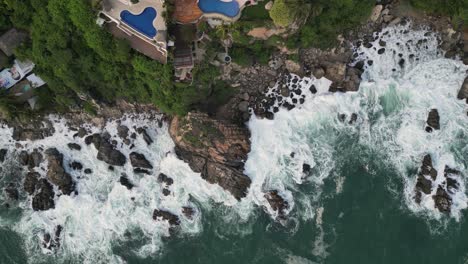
(187, 11)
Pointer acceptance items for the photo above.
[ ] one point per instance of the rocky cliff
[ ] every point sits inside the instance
(215, 148)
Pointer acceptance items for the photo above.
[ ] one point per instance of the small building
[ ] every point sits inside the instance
(184, 61)
(11, 40)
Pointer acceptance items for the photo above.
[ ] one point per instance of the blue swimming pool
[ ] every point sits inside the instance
(229, 9)
(142, 23)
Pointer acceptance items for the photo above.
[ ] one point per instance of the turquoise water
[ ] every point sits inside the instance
(229, 9)
(356, 205)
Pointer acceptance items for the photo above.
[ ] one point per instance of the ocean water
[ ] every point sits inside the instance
(354, 206)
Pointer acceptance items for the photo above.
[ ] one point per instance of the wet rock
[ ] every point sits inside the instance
(35, 159)
(219, 152)
(139, 161)
(353, 118)
(126, 182)
(244, 106)
(11, 192)
(163, 178)
(306, 168)
(318, 72)
(166, 192)
(30, 182)
(74, 146)
(52, 244)
(75, 165)
(433, 120)
(88, 171)
(44, 199)
(3, 153)
(427, 169)
(463, 93)
(81, 133)
(381, 51)
(145, 135)
(442, 200)
(189, 212)
(141, 171)
(23, 158)
(56, 173)
(277, 203)
(161, 215)
(122, 131)
(106, 152)
(33, 131)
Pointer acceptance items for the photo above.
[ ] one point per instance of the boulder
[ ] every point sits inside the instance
(106, 152)
(189, 212)
(145, 135)
(23, 158)
(122, 131)
(11, 192)
(376, 13)
(139, 161)
(126, 182)
(52, 243)
(433, 120)
(277, 203)
(88, 171)
(161, 215)
(35, 159)
(442, 200)
(75, 165)
(463, 93)
(74, 146)
(165, 179)
(56, 173)
(44, 199)
(3, 154)
(30, 182)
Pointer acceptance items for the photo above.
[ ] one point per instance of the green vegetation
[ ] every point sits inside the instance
(457, 9)
(78, 59)
(284, 12)
(329, 18)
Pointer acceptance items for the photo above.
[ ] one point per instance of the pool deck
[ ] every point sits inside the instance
(113, 8)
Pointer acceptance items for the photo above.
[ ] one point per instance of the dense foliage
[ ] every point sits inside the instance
(283, 12)
(458, 9)
(79, 60)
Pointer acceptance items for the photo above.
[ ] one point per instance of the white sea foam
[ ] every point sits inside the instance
(105, 213)
(397, 92)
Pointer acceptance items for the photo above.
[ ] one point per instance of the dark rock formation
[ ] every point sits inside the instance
(161, 215)
(74, 146)
(214, 148)
(56, 173)
(139, 161)
(126, 182)
(35, 159)
(88, 171)
(166, 192)
(463, 93)
(33, 131)
(122, 131)
(106, 152)
(277, 203)
(30, 182)
(44, 199)
(3, 153)
(145, 135)
(141, 171)
(189, 212)
(75, 165)
(433, 121)
(23, 158)
(52, 244)
(442, 200)
(11, 192)
(424, 184)
(164, 178)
